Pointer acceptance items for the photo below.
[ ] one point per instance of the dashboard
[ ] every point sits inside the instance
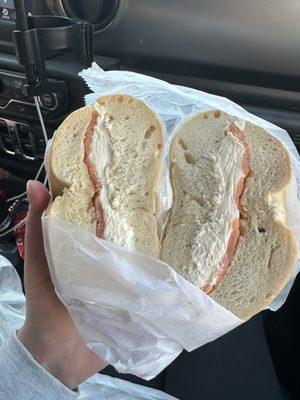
(247, 51)
(7, 10)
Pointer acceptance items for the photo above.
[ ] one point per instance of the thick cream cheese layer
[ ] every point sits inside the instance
(116, 228)
(211, 243)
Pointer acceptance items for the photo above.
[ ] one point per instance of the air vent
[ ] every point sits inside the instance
(40, 147)
(99, 12)
(18, 140)
(6, 142)
(26, 142)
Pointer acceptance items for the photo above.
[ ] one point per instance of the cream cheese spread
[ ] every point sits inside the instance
(212, 240)
(116, 229)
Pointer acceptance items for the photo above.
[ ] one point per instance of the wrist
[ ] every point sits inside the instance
(47, 359)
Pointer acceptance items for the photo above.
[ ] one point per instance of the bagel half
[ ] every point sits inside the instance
(104, 165)
(227, 232)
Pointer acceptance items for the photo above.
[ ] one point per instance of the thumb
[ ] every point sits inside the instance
(36, 268)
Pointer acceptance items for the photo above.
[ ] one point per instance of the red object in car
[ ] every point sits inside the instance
(19, 233)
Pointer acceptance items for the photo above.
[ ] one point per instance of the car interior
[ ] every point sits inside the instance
(247, 51)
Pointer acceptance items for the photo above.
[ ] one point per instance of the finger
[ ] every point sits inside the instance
(36, 268)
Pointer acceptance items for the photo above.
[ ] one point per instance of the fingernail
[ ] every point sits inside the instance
(28, 188)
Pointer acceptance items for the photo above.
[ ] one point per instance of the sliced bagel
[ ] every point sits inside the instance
(227, 232)
(104, 166)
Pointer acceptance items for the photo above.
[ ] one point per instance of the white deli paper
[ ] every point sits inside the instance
(99, 386)
(132, 310)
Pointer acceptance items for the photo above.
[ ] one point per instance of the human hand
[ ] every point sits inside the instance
(49, 333)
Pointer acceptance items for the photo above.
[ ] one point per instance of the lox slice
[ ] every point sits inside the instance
(104, 166)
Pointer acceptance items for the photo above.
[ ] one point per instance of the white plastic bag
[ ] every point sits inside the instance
(132, 310)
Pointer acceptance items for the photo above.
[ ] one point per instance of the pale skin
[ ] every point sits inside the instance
(49, 333)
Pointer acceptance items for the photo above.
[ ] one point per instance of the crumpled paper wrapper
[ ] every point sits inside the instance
(132, 310)
(98, 386)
